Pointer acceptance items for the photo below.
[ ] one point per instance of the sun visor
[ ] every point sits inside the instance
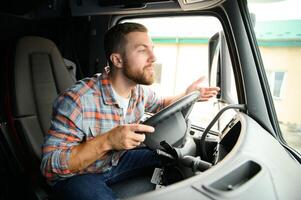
(127, 3)
(109, 7)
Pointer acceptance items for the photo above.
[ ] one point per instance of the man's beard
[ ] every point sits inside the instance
(139, 78)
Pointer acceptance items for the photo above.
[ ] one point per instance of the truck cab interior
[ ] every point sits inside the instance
(47, 45)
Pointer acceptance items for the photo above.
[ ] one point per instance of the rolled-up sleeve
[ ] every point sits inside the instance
(65, 132)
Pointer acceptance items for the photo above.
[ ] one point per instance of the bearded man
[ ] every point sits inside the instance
(92, 141)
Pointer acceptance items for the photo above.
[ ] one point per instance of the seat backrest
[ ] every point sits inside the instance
(39, 75)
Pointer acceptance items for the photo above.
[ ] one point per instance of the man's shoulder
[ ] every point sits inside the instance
(144, 90)
(85, 86)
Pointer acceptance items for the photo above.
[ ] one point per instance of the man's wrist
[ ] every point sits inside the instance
(103, 144)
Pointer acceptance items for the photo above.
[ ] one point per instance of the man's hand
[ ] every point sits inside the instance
(127, 136)
(206, 92)
(119, 138)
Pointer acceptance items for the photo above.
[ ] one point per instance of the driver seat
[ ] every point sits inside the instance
(39, 74)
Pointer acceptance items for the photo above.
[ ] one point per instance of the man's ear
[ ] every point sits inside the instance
(116, 60)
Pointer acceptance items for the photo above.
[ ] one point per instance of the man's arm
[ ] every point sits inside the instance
(119, 138)
(205, 92)
(86, 153)
(170, 100)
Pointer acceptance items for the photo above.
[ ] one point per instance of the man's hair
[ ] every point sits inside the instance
(115, 38)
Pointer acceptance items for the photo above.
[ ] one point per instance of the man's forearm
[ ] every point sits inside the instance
(88, 152)
(170, 100)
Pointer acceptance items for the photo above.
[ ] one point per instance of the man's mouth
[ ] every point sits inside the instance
(150, 68)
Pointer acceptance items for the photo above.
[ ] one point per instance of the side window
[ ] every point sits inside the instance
(183, 55)
(278, 32)
(276, 81)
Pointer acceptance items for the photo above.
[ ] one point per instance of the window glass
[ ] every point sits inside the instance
(181, 48)
(276, 82)
(278, 32)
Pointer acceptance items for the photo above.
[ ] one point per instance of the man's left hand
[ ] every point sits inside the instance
(206, 92)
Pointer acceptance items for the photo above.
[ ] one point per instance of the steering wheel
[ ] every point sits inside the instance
(171, 122)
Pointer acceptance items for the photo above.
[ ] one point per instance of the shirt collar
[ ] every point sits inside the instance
(107, 92)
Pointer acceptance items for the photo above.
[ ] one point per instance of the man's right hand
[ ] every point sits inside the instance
(119, 138)
(127, 136)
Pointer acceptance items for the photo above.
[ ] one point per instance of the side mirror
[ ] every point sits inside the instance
(214, 50)
(220, 68)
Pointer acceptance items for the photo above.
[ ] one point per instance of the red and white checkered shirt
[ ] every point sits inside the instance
(87, 109)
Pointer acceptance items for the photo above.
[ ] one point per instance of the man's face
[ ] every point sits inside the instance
(139, 58)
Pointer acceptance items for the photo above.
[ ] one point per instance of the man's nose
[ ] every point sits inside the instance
(152, 56)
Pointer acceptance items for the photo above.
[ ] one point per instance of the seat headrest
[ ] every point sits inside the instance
(37, 63)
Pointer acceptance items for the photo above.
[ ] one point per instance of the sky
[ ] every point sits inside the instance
(282, 10)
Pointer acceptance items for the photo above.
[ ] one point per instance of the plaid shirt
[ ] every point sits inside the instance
(84, 111)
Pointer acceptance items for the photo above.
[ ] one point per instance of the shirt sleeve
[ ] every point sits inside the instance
(65, 132)
(153, 103)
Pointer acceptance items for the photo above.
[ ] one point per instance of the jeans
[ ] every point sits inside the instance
(97, 186)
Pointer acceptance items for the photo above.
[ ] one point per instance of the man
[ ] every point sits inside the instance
(92, 140)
